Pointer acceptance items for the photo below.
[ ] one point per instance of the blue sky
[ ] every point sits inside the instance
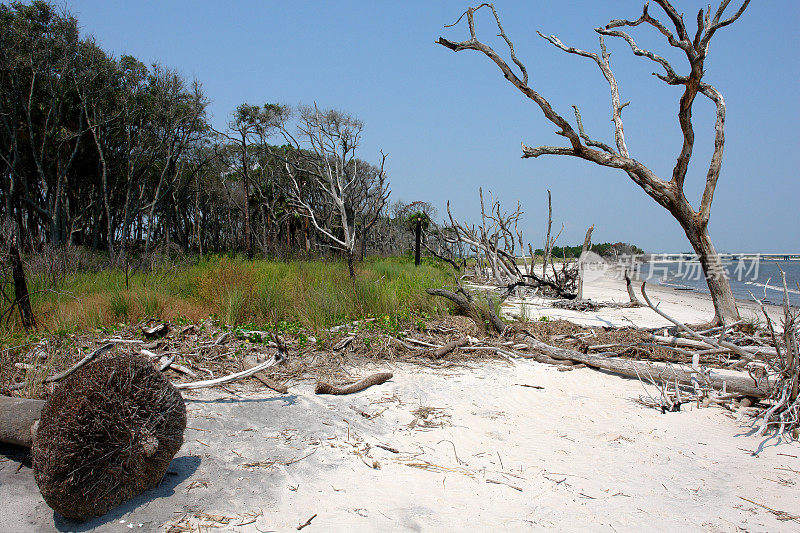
(450, 122)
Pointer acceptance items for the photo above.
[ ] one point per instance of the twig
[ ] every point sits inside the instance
(500, 482)
(307, 522)
(780, 515)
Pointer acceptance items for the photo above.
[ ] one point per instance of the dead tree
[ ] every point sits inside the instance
(327, 161)
(21, 297)
(667, 193)
(496, 239)
(587, 243)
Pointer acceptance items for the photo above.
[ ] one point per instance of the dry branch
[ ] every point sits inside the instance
(250, 363)
(229, 378)
(731, 381)
(155, 331)
(438, 353)
(358, 386)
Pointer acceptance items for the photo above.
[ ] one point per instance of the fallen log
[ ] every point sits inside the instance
(250, 363)
(730, 381)
(693, 343)
(18, 417)
(358, 386)
(438, 353)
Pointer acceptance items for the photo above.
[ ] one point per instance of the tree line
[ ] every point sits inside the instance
(119, 156)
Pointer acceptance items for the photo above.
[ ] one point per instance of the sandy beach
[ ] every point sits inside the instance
(477, 448)
(690, 307)
(490, 446)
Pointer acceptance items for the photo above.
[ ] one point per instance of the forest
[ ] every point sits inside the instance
(116, 155)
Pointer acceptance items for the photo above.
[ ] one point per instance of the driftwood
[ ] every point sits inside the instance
(156, 331)
(708, 340)
(466, 305)
(250, 363)
(631, 294)
(18, 417)
(342, 344)
(230, 377)
(438, 353)
(358, 386)
(730, 381)
(587, 243)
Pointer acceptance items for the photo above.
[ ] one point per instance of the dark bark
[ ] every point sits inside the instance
(418, 240)
(22, 299)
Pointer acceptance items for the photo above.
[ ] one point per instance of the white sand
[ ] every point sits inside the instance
(690, 307)
(583, 454)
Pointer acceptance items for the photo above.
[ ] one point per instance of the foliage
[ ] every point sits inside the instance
(605, 249)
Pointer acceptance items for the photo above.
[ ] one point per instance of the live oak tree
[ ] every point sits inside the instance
(669, 193)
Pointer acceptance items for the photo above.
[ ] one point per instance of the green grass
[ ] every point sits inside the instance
(312, 294)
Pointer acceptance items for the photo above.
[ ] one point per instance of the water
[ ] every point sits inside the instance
(748, 278)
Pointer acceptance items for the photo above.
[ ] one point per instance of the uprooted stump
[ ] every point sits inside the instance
(108, 433)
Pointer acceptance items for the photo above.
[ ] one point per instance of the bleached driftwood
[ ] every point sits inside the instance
(731, 381)
(229, 378)
(156, 331)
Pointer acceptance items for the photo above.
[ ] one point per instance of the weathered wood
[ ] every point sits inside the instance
(449, 347)
(587, 241)
(155, 331)
(250, 362)
(669, 193)
(358, 386)
(229, 378)
(731, 381)
(17, 419)
(467, 306)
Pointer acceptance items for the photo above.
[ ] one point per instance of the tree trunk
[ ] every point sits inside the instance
(587, 241)
(725, 311)
(17, 419)
(350, 265)
(21, 288)
(418, 239)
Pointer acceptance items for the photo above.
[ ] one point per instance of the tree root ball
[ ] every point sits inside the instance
(108, 433)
